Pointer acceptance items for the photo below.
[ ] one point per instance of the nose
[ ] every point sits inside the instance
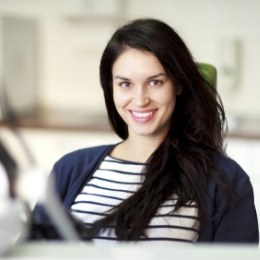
(141, 97)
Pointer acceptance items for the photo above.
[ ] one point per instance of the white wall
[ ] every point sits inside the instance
(211, 28)
(72, 37)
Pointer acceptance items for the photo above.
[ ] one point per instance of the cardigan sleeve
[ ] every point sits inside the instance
(69, 174)
(236, 222)
(74, 169)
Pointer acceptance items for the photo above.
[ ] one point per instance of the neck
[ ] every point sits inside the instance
(137, 149)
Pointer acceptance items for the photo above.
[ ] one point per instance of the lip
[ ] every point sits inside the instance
(142, 116)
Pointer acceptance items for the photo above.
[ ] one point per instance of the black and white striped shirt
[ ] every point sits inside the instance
(116, 180)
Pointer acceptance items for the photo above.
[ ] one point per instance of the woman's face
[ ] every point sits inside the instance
(143, 94)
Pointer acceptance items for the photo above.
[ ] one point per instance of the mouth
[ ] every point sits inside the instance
(143, 116)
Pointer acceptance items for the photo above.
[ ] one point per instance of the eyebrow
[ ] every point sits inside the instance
(151, 77)
(119, 77)
(157, 75)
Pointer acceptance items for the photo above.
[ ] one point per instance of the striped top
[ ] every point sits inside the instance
(116, 180)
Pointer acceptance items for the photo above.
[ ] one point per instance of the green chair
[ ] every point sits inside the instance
(209, 72)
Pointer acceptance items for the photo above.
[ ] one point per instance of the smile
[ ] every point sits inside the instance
(142, 116)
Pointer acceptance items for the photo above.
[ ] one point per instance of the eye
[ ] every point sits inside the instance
(124, 84)
(155, 82)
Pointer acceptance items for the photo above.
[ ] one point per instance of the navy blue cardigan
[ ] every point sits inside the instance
(236, 224)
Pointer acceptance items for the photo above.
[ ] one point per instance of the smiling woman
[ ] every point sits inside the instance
(169, 179)
(144, 97)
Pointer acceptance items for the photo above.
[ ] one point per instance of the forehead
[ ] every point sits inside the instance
(133, 61)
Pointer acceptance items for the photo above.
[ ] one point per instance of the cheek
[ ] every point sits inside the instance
(167, 98)
(170, 104)
(119, 100)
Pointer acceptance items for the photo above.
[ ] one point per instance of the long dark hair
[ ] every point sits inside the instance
(183, 163)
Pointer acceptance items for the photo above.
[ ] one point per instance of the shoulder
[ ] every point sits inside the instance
(230, 169)
(83, 156)
(80, 161)
(72, 169)
(231, 216)
(236, 180)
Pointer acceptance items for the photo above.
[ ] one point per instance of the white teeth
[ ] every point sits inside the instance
(142, 115)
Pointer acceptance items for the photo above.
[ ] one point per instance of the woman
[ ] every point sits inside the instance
(169, 179)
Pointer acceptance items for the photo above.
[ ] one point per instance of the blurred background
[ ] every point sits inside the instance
(49, 64)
